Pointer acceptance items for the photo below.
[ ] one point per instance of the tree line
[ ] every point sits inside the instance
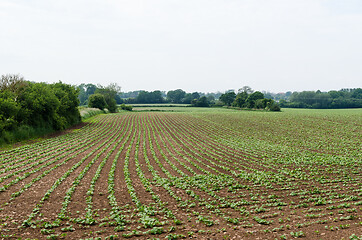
(243, 98)
(107, 97)
(91, 95)
(247, 98)
(344, 98)
(29, 109)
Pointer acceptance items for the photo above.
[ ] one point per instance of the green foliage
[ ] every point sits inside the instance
(40, 106)
(126, 107)
(85, 90)
(274, 107)
(31, 109)
(228, 98)
(149, 97)
(110, 92)
(9, 108)
(97, 101)
(240, 99)
(176, 96)
(68, 108)
(252, 99)
(190, 97)
(202, 102)
(345, 98)
(246, 98)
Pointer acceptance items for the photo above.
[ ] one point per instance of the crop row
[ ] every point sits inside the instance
(134, 175)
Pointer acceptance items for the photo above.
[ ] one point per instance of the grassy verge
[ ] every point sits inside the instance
(25, 134)
(86, 112)
(22, 134)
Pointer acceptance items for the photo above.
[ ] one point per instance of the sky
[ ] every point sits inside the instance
(195, 45)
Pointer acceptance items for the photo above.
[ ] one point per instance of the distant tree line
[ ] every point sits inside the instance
(146, 97)
(345, 98)
(243, 98)
(177, 96)
(100, 96)
(247, 98)
(29, 109)
(131, 97)
(140, 97)
(85, 90)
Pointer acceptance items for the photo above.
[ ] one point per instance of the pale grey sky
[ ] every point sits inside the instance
(196, 45)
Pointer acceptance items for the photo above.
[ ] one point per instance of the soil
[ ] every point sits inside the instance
(199, 188)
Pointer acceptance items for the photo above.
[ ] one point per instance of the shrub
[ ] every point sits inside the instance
(126, 107)
(274, 107)
(97, 101)
(30, 109)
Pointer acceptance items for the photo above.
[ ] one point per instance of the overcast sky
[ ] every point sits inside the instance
(196, 45)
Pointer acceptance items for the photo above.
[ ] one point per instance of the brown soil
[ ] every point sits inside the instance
(262, 202)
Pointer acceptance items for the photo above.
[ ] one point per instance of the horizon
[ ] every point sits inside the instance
(217, 91)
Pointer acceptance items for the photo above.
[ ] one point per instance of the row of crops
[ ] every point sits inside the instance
(163, 175)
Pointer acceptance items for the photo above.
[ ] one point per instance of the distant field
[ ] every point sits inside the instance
(160, 105)
(188, 172)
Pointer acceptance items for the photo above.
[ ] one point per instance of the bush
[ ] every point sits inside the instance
(259, 104)
(201, 102)
(274, 107)
(126, 107)
(31, 109)
(97, 101)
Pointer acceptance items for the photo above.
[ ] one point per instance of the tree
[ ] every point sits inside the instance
(11, 87)
(30, 109)
(82, 94)
(85, 90)
(253, 97)
(195, 95)
(118, 98)
(68, 108)
(97, 101)
(189, 97)
(201, 102)
(39, 104)
(344, 98)
(9, 109)
(240, 99)
(91, 89)
(110, 92)
(228, 98)
(156, 97)
(211, 99)
(176, 96)
(149, 97)
(13, 83)
(357, 93)
(143, 97)
(259, 104)
(246, 89)
(274, 107)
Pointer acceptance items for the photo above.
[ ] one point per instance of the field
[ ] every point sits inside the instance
(189, 173)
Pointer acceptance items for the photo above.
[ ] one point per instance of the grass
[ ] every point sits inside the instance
(86, 112)
(22, 135)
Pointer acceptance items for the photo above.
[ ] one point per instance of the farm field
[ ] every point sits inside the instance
(190, 173)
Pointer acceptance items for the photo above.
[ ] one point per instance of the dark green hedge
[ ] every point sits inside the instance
(30, 109)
